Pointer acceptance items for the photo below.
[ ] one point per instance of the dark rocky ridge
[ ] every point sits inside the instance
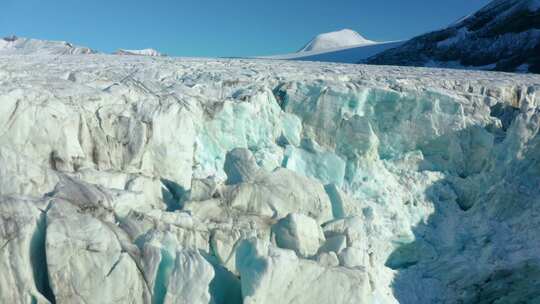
(503, 36)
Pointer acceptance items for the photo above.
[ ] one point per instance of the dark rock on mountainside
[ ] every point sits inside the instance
(502, 36)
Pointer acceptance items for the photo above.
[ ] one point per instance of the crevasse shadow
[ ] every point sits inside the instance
(481, 243)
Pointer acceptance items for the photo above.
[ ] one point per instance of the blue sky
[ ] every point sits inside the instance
(220, 27)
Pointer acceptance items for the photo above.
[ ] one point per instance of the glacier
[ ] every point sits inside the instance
(134, 179)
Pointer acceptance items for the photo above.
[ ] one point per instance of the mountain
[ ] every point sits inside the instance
(349, 54)
(334, 40)
(345, 46)
(24, 46)
(502, 36)
(143, 52)
(14, 45)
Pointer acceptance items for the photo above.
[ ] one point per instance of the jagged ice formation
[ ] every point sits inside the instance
(162, 180)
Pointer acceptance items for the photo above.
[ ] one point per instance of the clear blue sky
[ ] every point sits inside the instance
(221, 27)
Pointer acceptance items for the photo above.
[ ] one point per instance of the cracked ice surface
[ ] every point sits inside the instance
(165, 180)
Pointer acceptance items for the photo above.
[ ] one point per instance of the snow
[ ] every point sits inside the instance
(24, 46)
(131, 179)
(143, 52)
(350, 54)
(459, 21)
(458, 65)
(13, 45)
(489, 38)
(337, 39)
(345, 46)
(510, 8)
(461, 34)
(524, 68)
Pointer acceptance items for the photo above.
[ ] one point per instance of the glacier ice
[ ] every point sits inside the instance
(128, 179)
(275, 275)
(86, 261)
(299, 233)
(24, 274)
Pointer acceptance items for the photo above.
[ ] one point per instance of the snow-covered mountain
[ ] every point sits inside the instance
(335, 40)
(502, 36)
(345, 46)
(24, 46)
(143, 52)
(14, 45)
(129, 179)
(349, 54)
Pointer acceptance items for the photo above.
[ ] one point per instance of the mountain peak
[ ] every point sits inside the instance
(337, 39)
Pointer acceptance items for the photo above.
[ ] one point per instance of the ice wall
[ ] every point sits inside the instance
(142, 180)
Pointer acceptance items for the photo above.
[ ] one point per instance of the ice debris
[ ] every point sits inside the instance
(162, 180)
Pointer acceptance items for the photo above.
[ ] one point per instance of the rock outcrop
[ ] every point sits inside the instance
(502, 36)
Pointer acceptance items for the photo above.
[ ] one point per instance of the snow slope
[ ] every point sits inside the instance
(143, 52)
(25, 46)
(502, 36)
(334, 40)
(345, 46)
(129, 179)
(350, 54)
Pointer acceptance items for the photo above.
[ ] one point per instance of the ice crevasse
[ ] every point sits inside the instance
(163, 180)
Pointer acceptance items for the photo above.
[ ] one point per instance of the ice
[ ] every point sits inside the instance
(85, 259)
(255, 123)
(131, 179)
(314, 162)
(240, 166)
(190, 279)
(24, 274)
(300, 233)
(276, 275)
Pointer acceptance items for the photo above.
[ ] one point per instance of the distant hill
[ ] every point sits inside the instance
(143, 52)
(333, 40)
(345, 46)
(25, 46)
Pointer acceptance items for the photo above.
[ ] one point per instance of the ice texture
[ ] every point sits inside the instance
(129, 179)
